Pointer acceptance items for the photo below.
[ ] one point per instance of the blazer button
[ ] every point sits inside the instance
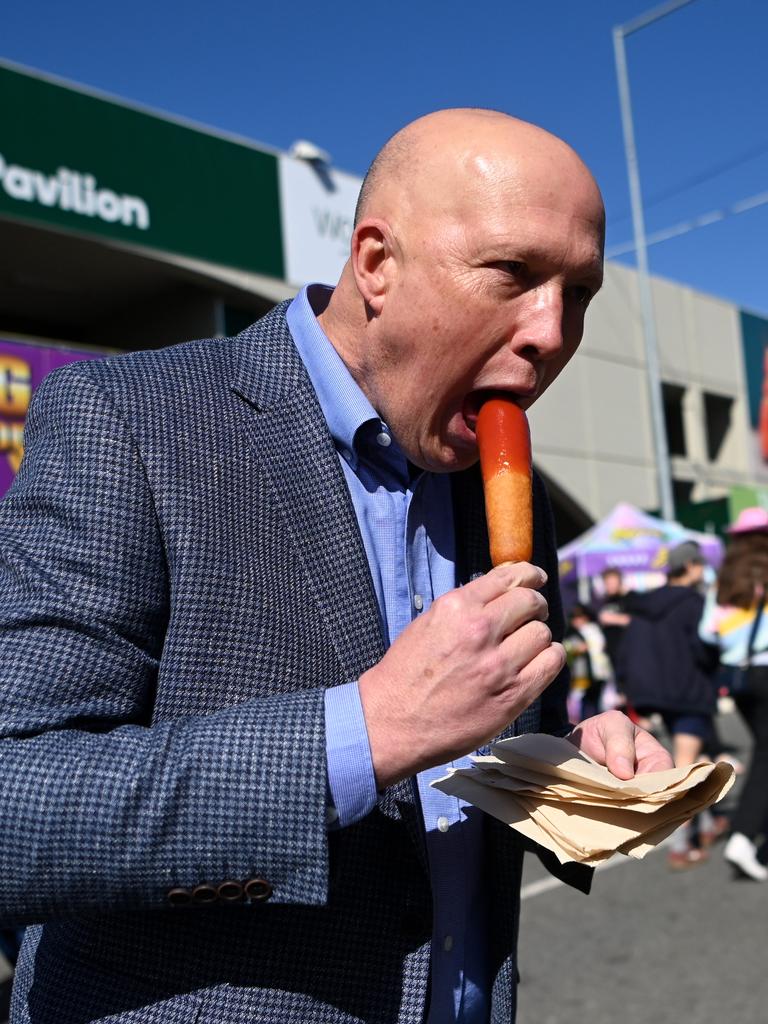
(204, 894)
(179, 897)
(258, 889)
(230, 892)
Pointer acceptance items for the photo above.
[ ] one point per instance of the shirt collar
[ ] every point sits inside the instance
(345, 407)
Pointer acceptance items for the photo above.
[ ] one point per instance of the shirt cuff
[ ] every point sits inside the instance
(351, 780)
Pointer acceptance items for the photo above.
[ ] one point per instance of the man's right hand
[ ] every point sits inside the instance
(459, 674)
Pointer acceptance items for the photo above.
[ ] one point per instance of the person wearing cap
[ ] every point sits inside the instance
(668, 670)
(731, 621)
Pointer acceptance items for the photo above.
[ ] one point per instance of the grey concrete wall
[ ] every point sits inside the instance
(592, 430)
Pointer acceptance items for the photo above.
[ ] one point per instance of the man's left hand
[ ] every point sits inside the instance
(623, 747)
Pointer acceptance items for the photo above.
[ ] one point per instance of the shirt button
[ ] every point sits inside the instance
(418, 602)
(448, 943)
(443, 824)
(346, 454)
(331, 815)
(384, 439)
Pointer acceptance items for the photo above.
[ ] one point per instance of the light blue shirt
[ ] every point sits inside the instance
(406, 522)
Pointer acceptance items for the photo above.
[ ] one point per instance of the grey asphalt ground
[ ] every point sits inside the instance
(648, 946)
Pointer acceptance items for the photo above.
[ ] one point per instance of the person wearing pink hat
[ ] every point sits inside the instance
(750, 520)
(736, 619)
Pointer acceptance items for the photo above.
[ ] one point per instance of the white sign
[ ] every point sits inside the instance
(317, 207)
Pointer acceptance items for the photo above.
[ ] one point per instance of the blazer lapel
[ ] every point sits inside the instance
(472, 550)
(290, 440)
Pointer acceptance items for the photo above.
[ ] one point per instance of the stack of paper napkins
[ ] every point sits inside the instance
(556, 795)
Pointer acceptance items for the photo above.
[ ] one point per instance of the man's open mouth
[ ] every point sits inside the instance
(474, 401)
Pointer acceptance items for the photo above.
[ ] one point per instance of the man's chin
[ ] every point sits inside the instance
(452, 459)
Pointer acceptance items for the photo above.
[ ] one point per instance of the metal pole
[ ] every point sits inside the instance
(661, 450)
(655, 15)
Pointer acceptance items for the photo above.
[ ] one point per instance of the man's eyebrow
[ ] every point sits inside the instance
(501, 247)
(591, 270)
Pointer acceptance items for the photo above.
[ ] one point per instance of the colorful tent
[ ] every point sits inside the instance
(631, 540)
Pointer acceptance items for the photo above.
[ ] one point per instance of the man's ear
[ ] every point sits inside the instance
(372, 259)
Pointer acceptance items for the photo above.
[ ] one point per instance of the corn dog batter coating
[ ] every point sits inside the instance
(504, 443)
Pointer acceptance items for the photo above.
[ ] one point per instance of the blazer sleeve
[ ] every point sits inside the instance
(101, 810)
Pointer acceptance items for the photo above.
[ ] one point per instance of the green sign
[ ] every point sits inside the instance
(89, 165)
(705, 516)
(741, 497)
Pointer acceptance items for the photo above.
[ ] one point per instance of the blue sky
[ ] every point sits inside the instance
(346, 75)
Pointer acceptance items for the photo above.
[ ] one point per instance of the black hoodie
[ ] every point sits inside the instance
(663, 663)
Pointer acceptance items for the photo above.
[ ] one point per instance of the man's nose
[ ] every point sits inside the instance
(539, 333)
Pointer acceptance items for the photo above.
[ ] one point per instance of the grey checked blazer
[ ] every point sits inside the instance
(181, 576)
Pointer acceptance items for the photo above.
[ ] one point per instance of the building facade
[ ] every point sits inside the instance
(126, 229)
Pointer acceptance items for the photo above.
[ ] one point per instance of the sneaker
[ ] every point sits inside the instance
(681, 860)
(742, 854)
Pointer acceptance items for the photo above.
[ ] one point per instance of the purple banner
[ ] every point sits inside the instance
(593, 563)
(23, 366)
(633, 541)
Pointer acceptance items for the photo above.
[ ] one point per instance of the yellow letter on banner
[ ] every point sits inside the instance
(15, 386)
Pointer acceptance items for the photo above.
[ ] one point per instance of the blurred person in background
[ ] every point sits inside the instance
(611, 612)
(613, 620)
(668, 670)
(736, 619)
(588, 660)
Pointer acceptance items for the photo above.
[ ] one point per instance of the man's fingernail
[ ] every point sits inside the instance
(625, 764)
(543, 576)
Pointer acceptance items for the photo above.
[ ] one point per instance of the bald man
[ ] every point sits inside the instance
(248, 616)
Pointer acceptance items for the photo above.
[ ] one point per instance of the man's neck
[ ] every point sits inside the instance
(341, 327)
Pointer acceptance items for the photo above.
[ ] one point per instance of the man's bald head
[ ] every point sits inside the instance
(417, 162)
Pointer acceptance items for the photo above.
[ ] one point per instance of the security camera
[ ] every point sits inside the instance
(302, 149)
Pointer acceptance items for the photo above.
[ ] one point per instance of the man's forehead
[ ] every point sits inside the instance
(501, 184)
(516, 229)
(547, 181)
(496, 177)
(474, 144)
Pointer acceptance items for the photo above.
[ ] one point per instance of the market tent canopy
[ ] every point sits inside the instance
(631, 540)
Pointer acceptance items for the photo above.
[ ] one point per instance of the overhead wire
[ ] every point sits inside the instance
(699, 179)
(684, 227)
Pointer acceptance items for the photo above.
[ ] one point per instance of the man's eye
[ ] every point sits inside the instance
(579, 294)
(515, 267)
